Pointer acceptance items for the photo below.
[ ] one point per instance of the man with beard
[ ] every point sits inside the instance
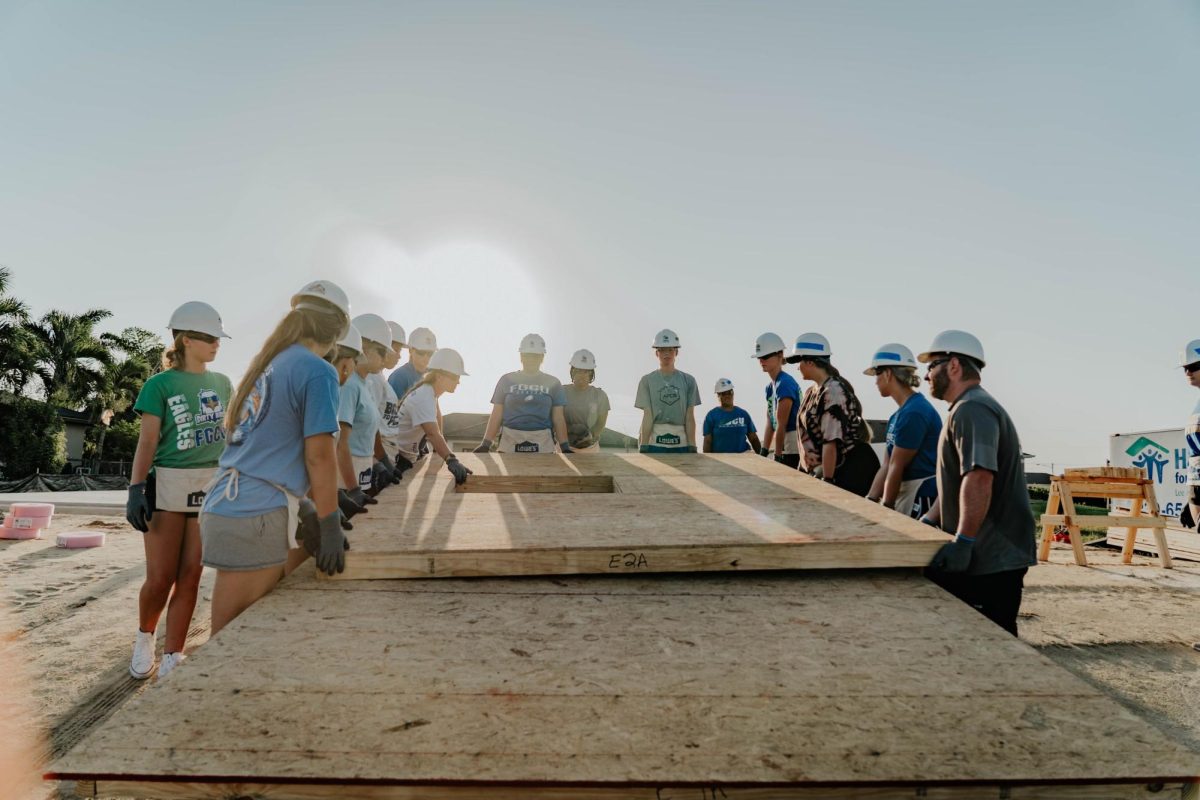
(982, 496)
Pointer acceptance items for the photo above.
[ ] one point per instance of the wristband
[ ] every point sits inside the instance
(964, 537)
(929, 522)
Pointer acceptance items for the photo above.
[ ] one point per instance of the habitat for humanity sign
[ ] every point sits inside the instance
(1163, 454)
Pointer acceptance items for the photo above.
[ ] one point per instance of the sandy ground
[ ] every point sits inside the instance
(72, 616)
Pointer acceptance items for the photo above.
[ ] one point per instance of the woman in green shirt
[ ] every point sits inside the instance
(182, 437)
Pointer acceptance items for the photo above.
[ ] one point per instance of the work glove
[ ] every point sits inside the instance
(458, 470)
(565, 447)
(484, 447)
(403, 465)
(391, 468)
(137, 507)
(346, 526)
(381, 477)
(309, 529)
(331, 550)
(359, 496)
(348, 504)
(955, 555)
(778, 459)
(766, 451)
(423, 450)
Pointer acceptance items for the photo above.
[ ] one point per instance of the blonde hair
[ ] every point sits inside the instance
(429, 377)
(906, 375)
(315, 324)
(174, 356)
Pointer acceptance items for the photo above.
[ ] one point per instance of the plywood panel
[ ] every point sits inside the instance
(784, 680)
(665, 514)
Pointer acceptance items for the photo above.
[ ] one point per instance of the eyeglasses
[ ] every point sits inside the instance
(937, 363)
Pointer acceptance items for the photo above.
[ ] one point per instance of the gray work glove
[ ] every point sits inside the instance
(309, 530)
(381, 478)
(565, 447)
(955, 555)
(402, 465)
(348, 505)
(346, 526)
(458, 470)
(137, 507)
(359, 496)
(331, 550)
(393, 475)
(484, 447)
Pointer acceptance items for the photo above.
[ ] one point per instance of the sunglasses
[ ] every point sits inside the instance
(1190, 368)
(421, 353)
(937, 363)
(201, 337)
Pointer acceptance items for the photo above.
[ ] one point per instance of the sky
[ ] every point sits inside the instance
(873, 171)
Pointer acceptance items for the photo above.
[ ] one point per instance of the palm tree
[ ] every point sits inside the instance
(122, 380)
(16, 361)
(70, 357)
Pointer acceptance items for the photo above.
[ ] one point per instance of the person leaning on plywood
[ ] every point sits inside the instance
(668, 398)
(280, 453)
(389, 404)
(982, 496)
(783, 402)
(907, 480)
(182, 436)
(1190, 361)
(527, 407)
(587, 406)
(835, 438)
(419, 415)
(370, 461)
(727, 428)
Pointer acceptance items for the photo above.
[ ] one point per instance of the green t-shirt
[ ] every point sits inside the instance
(192, 409)
(667, 396)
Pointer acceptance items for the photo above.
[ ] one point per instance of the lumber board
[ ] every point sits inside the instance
(1119, 491)
(679, 513)
(1104, 521)
(1105, 473)
(1182, 544)
(765, 683)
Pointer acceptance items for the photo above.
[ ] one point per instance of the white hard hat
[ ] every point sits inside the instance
(198, 317)
(397, 333)
(809, 345)
(374, 328)
(1191, 353)
(768, 344)
(533, 345)
(960, 343)
(328, 291)
(448, 360)
(665, 338)
(723, 385)
(892, 354)
(422, 339)
(583, 359)
(352, 339)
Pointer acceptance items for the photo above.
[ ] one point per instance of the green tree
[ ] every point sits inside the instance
(16, 358)
(122, 380)
(70, 356)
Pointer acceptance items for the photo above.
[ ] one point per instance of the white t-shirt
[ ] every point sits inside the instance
(385, 399)
(420, 407)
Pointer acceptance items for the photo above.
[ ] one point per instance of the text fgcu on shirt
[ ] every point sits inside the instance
(528, 398)
(192, 409)
(729, 429)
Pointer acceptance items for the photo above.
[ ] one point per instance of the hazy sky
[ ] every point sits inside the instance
(874, 171)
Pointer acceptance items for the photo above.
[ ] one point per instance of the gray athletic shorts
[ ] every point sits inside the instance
(244, 543)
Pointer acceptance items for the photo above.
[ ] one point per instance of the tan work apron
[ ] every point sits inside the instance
(231, 493)
(673, 437)
(514, 441)
(181, 490)
(362, 469)
(791, 443)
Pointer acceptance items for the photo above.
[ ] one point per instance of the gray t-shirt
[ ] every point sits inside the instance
(667, 396)
(583, 410)
(979, 434)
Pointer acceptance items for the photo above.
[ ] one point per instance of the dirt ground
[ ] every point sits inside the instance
(71, 617)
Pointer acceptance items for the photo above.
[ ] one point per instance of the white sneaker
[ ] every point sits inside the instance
(142, 663)
(169, 662)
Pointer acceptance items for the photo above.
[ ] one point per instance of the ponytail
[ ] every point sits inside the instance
(310, 322)
(173, 356)
(426, 379)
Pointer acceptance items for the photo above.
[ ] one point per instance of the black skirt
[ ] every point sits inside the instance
(857, 471)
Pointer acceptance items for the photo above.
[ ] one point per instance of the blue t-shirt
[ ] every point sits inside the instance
(729, 429)
(357, 408)
(916, 426)
(295, 397)
(403, 379)
(785, 386)
(528, 398)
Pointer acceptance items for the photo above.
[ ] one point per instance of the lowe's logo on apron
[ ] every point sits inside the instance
(668, 440)
(526, 447)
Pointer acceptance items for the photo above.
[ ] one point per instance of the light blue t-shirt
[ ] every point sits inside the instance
(403, 379)
(916, 426)
(729, 429)
(295, 397)
(357, 408)
(528, 398)
(785, 386)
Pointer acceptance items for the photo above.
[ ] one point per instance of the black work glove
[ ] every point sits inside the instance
(484, 447)
(381, 477)
(764, 451)
(309, 530)
(403, 465)
(458, 470)
(359, 496)
(331, 550)
(346, 526)
(348, 505)
(565, 447)
(137, 507)
(393, 475)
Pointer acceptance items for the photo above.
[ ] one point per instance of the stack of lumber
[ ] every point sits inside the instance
(1182, 544)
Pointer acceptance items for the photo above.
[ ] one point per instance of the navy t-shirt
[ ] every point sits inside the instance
(784, 387)
(729, 429)
(528, 399)
(916, 426)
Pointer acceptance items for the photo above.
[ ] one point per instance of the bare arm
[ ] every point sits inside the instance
(437, 442)
(379, 451)
(974, 498)
(601, 424)
(768, 434)
(782, 412)
(321, 464)
(899, 461)
(493, 423)
(558, 419)
(647, 427)
(344, 463)
(754, 442)
(876, 491)
(689, 426)
(828, 460)
(143, 457)
(708, 443)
